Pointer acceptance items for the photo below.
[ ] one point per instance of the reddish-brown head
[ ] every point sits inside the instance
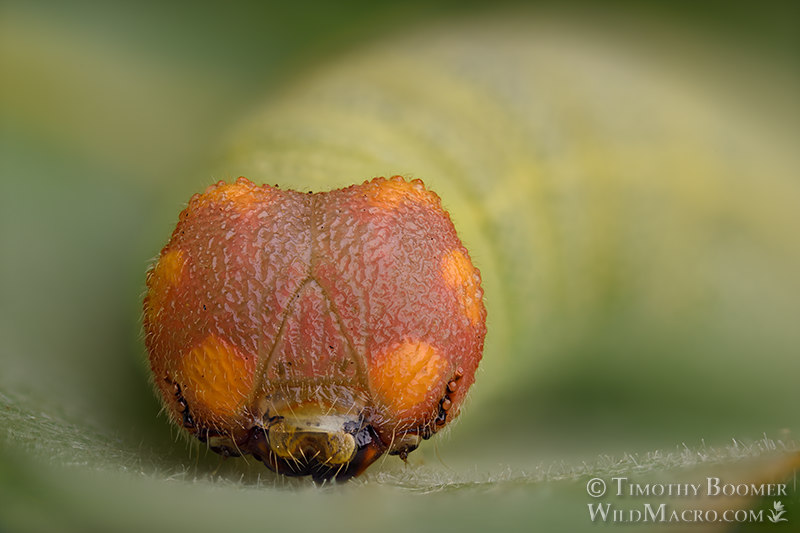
(314, 331)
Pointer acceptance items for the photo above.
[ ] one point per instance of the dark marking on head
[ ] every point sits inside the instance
(188, 420)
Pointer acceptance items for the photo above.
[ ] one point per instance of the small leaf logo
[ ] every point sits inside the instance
(776, 513)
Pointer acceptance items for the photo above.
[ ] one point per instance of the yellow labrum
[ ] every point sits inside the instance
(311, 432)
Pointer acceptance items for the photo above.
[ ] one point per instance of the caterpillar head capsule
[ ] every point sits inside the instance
(315, 332)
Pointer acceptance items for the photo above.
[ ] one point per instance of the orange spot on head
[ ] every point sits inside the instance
(170, 267)
(390, 194)
(458, 273)
(166, 275)
(243, 194)
(404, 376)
(216, 378)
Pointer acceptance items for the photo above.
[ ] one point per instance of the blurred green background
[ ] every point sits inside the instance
(626, 178)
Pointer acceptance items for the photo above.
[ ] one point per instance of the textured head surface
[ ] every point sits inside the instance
(359, 303)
